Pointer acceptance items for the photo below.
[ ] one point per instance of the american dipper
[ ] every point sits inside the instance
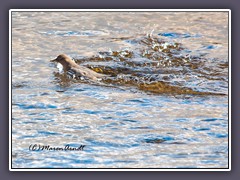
(76, 70)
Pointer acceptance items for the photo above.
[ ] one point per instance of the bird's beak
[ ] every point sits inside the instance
(53, 60)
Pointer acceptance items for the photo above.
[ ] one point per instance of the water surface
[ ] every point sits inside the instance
(164, 106)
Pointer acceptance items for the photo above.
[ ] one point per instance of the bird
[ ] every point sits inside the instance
(75, 70)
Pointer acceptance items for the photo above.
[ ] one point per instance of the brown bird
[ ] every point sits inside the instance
(76, 70)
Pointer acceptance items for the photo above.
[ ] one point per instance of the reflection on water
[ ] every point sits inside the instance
(164, 105)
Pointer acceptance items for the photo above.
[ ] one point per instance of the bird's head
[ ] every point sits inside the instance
(65, 61)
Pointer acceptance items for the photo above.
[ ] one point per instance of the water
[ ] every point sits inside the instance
(164, 106)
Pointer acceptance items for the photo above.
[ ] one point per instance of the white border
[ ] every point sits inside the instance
(118, 10)
(229, 89)
(122, 10)
(10, 90)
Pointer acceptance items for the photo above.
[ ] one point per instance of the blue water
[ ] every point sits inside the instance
(121, 127)
(122, 132)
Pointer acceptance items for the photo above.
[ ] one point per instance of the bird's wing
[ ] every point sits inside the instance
(82, 71)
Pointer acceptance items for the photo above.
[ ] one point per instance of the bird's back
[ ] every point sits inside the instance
(81, 71)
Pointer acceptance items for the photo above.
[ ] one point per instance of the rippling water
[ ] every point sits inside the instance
(164, 105)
